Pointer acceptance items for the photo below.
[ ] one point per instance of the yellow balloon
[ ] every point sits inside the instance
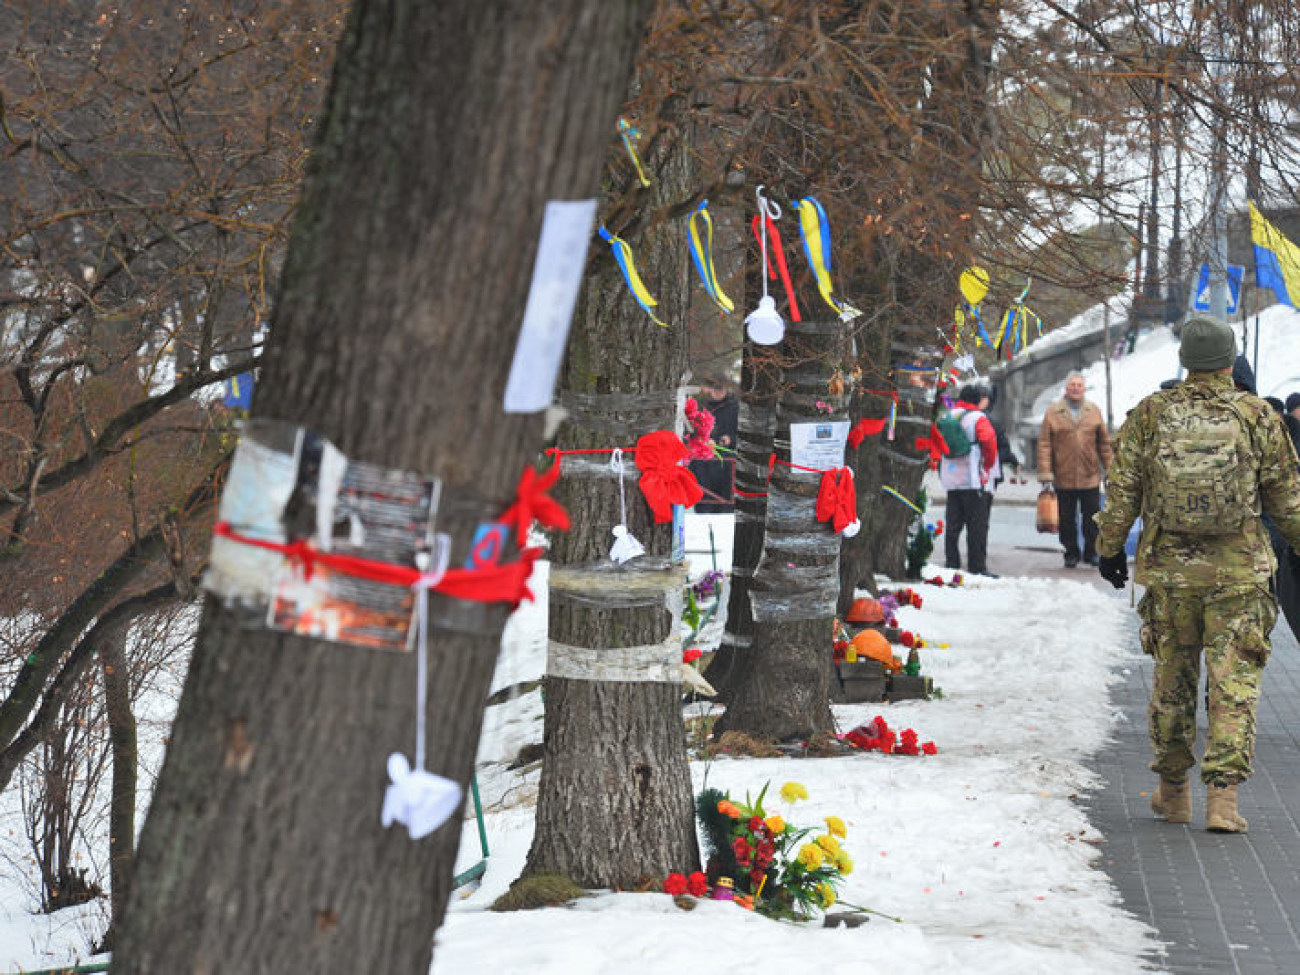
(974, 284)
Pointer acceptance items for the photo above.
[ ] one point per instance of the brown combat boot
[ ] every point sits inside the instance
(1173, 801)
(1221, 814)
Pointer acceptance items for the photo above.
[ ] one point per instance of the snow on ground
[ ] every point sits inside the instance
(982, 850)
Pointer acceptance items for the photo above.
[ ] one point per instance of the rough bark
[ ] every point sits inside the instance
(784, 693)
(753, 448)
(615, 799)
(448, 128)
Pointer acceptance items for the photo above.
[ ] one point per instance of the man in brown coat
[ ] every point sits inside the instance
(1073, 451)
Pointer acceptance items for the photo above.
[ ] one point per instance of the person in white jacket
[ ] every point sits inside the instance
(968, 480)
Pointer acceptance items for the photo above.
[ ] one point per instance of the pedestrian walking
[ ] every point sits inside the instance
(1200, 462)
(967, 474)
(1073, 451)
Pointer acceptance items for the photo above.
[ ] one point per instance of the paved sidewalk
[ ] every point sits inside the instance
(1223, 904)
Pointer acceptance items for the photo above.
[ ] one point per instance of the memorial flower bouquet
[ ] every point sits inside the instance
(787, 871)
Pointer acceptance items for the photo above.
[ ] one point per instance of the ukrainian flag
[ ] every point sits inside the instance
(1277, 260)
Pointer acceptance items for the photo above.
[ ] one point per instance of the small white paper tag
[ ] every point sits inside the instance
(557, 275)
(819, 445)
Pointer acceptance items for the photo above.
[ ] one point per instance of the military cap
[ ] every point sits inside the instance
(1208, 344)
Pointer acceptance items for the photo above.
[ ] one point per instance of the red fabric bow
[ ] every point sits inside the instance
(533, 504)
(865, 428)
(837, 501)
(663, 481)
(935, 444)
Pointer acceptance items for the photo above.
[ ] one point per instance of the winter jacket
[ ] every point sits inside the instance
(1073, 452)
(976, 470)
(1183, 559)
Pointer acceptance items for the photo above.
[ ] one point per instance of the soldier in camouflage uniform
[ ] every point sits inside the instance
(1199, 462)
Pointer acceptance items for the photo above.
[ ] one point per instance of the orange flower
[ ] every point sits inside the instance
(729, 808)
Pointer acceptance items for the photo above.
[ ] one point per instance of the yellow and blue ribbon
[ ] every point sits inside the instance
(631, 137)
(894, 494)
(815, 231)
(623, 255)
(1013, 332)
(702, 255)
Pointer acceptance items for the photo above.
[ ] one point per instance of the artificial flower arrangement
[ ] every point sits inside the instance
(776, 868)
(699, 444)
(708, 588)
(878, 736)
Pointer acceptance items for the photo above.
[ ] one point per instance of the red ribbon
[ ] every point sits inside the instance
(664, 481)
(837, 501)
(533, 504)
(865, 428)
(495, 584)
(774, 236)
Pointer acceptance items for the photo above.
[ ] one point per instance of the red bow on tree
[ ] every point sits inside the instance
(935, 444)
(664, 481)
(533, 504)
(865, 428)
(837, 501)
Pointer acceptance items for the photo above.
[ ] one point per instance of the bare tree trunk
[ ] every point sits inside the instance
(122, 736)
(784, 693)
(753, 448)
(448, 128)
(615, 802)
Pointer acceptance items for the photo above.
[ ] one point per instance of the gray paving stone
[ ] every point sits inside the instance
(1222, 905)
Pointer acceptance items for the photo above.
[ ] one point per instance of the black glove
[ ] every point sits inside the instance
(1114, 569)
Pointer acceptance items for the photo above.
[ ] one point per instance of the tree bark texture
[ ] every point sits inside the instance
(448, 127)
(784, 693)
(615, 798)
(753, 448)
(123, 739)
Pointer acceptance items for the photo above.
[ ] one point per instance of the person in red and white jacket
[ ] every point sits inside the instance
(968, 482)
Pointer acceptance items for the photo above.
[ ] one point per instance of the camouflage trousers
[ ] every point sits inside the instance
(1231, 626)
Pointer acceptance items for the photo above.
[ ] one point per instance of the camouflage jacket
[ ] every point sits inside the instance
(1172, 558)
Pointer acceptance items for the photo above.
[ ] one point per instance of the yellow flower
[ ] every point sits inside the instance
(825, 895)
(793, 792)
(811, 856)
(829, 843)
(776, 824)
(843, 864)
(836, 826)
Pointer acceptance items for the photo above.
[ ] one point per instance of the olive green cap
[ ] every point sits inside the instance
(1208, 344)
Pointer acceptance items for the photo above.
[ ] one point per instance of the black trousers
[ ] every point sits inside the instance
(969, 510)
(1084, 502)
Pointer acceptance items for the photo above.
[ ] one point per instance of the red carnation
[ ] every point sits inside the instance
(907, 745)
(928, 748)
(756, 876)
(906, 639)
(675, 884)
(741, 849)
(697, 885)
(691, 654)
(756, 824)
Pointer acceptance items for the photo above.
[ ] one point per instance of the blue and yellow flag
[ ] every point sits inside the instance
(1277, 260)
